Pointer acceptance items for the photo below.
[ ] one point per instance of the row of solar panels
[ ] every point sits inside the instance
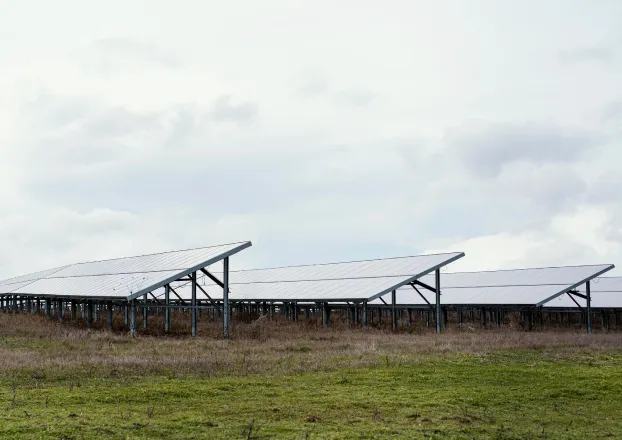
(356, 281)
(522, 287)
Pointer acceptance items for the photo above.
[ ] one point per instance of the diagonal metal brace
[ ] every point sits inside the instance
(424, 285)
(155, 298)
(213, 278)
(177, 295)
(214, 303)
(575, 301)
(423, 297)
(575, 293)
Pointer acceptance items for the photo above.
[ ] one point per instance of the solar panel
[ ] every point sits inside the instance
(606, 292)
(119, 278)
(533, 287)
(354, 281)
(10, 284)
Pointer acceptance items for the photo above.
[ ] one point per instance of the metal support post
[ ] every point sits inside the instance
(364, 314)
(588, 294)
(393, 310)
(74, 310)
(60, 309)
(133, 318)
(410, 318)
(437, 276)
(483, 313)
(225, 297)
(48, 307)
(325, 314)
(145, 311)
(167, 310)
(194, 303)
(89, 314)
(126, 314)
(109, 310)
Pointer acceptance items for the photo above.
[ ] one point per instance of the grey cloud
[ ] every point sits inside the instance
(52, 111)
(612, 112)
(126, 47)
(606, 188)
(68, 136)
(355, 97)
(118, 121)
(614, 233)
(487, 150)
(314, 87)
(593, 53)
(549, 188)
(225, 110)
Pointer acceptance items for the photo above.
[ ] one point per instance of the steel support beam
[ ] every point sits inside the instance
(145, 311)
(167, 309)
(133, 318)
(74, 311)
(225, 297)
(89, 314)
(364, 314)
(109, 310)
(588, 300)
(393, 310)
(437, 277)
(193, 303)
(325, 314)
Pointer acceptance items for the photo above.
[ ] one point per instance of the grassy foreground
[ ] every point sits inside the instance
(57, 382)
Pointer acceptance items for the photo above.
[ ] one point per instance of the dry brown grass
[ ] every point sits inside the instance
(35, 346)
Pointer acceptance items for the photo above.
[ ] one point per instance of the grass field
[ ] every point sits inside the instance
(286, 380)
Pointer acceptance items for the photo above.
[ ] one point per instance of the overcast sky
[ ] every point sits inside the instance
(320, 130)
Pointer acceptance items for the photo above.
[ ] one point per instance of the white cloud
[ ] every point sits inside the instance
(574, 238)
(322, 131)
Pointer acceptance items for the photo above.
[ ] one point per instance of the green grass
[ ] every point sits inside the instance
(510, 394)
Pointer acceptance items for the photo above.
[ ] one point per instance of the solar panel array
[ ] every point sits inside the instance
(606, 292)
(119, 278)
(354, 281)
(528, 287)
